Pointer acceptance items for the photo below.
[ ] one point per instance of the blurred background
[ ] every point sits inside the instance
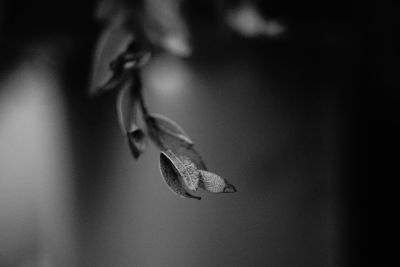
(285, 100)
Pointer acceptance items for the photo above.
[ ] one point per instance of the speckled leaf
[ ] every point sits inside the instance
(186, 168)
(215, 184)
(170, 166)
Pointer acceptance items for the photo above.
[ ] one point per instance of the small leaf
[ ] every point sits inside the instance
(214, 183)
(127, 109)
(172, 176)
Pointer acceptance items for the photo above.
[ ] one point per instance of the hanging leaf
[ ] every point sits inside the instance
(127, 109)
(107, 10)
(137, 141)
(215, 184)
(186, 168)
(168, 135)
(170, 166)
(113, 42)
(168, 126)
(165, 27)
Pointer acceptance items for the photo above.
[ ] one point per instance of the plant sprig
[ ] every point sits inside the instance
(181, 165)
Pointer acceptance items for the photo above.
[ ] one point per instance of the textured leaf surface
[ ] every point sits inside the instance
(172, 176)
(127, 109)
(213, 183)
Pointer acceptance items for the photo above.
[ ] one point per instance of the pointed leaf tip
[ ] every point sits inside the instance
(213, 183)
(230, 189)
(137, 142)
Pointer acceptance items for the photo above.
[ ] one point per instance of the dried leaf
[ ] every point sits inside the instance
(214, 183)
(170, 166)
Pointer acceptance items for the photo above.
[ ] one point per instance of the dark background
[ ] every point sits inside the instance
(305, 126)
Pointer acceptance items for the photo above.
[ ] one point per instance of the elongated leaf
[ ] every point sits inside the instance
(127, 109)
(172, 175)
(213, 183)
